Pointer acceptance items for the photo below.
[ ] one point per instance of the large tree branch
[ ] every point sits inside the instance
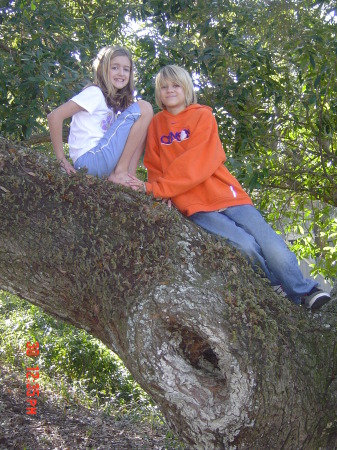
(44, 137)
(230, 364)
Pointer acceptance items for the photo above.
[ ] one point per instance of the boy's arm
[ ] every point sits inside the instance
(55, 120)
(201, 159)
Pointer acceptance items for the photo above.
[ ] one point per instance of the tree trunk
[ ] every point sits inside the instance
(230, 364)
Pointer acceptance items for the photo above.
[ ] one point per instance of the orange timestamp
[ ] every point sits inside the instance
(32, 374)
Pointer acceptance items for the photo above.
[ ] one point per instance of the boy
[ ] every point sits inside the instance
(184, 158)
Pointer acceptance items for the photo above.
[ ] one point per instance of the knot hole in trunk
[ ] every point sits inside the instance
(196, 349)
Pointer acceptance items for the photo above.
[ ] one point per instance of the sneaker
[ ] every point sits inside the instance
(279, 290)
(315, 299)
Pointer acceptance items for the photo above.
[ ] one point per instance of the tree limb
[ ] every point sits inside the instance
(230, 364)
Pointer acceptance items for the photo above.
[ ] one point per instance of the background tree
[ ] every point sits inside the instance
(267, 69)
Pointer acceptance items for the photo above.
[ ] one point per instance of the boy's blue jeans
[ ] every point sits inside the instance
(246, 229)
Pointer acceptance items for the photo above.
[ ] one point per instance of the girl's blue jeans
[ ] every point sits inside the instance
(245, 228)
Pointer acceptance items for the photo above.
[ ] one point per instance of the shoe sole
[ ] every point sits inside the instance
(318, 302)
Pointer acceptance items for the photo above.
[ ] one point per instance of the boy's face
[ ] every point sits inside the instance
(119, 73)
(172, 95)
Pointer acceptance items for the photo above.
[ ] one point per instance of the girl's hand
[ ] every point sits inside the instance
(65, 164)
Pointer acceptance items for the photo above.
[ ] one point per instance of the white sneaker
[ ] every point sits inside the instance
(315, 299)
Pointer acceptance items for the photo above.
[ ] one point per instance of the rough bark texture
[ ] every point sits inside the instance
(231, 364)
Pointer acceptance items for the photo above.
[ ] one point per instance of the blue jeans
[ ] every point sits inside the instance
(246, 229)
(102, 159)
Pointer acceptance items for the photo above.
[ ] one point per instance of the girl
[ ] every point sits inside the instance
(184, 158)
(108, 130)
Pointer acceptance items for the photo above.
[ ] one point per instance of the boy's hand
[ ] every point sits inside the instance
(136, 184)
(168, 201)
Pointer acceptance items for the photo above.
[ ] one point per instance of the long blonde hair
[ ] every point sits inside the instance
(118, 99)
(178, 75)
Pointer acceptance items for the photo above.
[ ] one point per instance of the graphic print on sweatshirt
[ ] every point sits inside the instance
(175, 136)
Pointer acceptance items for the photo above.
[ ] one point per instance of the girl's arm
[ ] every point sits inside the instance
(55, 120)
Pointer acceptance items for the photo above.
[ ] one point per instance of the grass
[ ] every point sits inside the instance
(73, 364)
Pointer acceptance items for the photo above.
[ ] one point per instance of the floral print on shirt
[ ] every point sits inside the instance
(106, 123)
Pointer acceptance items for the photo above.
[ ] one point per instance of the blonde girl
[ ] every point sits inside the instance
(108, 129)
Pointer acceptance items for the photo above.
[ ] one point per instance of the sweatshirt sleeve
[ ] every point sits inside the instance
(151, 158)
(204, 154)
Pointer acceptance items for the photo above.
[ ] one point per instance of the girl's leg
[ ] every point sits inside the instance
(134, 146)
(280, 261)
(119, 150)
(102, 159)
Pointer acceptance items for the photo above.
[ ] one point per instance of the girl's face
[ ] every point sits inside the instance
(119, 72)
(172, 95)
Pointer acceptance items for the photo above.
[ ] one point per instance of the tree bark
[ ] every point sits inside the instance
(230, 364)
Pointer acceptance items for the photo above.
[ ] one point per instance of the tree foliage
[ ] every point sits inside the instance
(267, 69)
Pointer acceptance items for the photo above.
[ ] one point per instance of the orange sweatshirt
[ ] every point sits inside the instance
(184, 158)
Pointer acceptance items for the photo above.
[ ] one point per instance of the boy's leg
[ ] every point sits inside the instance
(281, 262)
(220, 224)
(134, 146)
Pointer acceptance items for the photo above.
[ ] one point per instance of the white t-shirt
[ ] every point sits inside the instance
(87, 127)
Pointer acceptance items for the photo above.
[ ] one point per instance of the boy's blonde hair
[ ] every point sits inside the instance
(178, 75)
(118, 99)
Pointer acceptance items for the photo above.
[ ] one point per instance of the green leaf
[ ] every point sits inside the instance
(312, 61)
